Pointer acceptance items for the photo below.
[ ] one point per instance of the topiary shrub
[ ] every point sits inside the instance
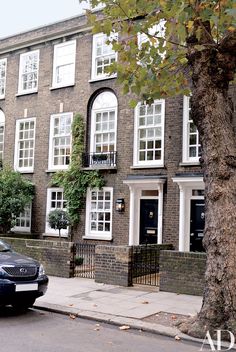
(58, 219)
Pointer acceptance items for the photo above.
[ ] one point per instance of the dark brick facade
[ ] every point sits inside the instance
(78, 99)
(182, 272)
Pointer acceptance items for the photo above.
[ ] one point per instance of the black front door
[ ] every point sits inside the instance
(148, 220)
(197, 223)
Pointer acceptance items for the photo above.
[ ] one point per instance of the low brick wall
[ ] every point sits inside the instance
(113, 265)
(182, 272)
(57, 257)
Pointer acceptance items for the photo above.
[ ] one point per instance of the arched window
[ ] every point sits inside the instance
(2, 129)
(103, 127)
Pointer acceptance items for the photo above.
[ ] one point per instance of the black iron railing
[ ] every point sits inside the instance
(100, 160)
(145, 265)
(85, 260)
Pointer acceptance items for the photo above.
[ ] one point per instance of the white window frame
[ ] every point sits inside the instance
(3, 79)
(23, 216)
(103, 75)
(21, 90)
(17, 142)
(148, 163)
(186, 158)
(71, 81)
(48, 230)
(98, 235)
(104, 102)
(2, 124)
(157, 30)
(51, 165)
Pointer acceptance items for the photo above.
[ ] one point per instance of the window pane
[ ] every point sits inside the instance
(142, 156)
(64, 63)
(25, 143)
(61, 141)
(29, 71)
(103, 55)
(193, 139)
(23, 221)
(150, 137)
(100, 211)
(192, 152)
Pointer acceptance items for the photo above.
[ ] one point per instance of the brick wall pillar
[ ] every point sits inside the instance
(113, 265)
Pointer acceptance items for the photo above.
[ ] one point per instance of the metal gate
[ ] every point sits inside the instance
(145, 265)
(85, 260)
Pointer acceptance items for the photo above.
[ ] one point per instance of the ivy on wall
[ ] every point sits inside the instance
(75, 181)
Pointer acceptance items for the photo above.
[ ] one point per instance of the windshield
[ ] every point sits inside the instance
(4, 247)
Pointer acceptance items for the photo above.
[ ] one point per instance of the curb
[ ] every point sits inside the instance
(117, 320)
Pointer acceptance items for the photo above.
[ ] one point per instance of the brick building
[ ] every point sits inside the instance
(148, 156)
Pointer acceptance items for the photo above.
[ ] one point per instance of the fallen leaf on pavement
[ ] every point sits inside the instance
(124, 327)
(70, 305)
(94, 305)
(145, 302)
(96, 329)
(72, 316)
(177, 338)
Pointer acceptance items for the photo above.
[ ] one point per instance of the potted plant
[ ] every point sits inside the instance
(58, 219)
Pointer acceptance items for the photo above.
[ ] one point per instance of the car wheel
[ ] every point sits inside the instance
(23, 305)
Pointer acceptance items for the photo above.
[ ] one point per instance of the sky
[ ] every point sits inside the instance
(22, 15)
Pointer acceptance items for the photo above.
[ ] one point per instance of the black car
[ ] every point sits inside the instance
(22, 279)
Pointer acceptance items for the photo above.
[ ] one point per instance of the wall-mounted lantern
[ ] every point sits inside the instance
(120, 205)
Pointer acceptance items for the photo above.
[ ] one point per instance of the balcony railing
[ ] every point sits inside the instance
(100, 160)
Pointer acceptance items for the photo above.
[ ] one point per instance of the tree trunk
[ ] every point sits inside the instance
(212, 112)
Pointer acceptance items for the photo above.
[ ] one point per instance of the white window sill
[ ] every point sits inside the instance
(22, 171)
(62, 86)
(189, 163)
(160, 166)
(27, 92)
(98, 237)
(2, 97)
(102, 78)
(55, 170)
(21, 230)
(54, 235)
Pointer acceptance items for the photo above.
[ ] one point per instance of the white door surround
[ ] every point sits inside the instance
(136, 186)
(186, 187)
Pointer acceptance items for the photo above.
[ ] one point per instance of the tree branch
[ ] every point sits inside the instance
(228, 43)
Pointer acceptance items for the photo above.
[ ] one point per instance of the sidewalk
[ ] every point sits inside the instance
(117, 305)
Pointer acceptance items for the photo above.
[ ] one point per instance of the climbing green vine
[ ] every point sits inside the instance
(75, 181)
